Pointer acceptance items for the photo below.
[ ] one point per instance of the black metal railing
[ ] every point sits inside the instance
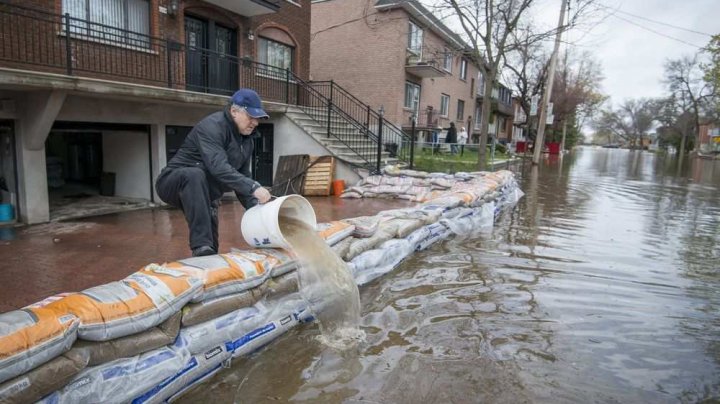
(63, 44)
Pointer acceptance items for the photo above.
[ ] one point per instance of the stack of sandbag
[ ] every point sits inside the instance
(468, 204)
(153, 335)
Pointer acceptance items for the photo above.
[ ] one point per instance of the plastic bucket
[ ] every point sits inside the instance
(7, 213)
(260, 224)
(338, 187)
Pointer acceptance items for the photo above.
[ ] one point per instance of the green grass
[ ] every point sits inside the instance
(444, 162)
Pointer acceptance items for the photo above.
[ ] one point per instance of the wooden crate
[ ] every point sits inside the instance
(319, 177)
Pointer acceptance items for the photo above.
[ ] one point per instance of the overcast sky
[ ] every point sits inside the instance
(631, 54)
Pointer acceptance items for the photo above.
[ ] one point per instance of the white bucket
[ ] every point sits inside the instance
(260, 224)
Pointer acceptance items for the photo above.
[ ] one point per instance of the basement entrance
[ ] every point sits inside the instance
(95, 169)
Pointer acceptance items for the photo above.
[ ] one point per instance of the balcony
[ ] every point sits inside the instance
(35, 43)
(423, 68)
(247, 8)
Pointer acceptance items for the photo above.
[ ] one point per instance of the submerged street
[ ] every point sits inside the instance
(601, 285)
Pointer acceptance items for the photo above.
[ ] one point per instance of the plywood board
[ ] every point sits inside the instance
(319, 176)
(290, 174)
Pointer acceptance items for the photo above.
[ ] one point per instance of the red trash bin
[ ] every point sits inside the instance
(519, 147)
(554, 148)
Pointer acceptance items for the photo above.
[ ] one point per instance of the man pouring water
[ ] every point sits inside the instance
(215, 158)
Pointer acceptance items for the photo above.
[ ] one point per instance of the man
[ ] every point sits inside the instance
(214, 158)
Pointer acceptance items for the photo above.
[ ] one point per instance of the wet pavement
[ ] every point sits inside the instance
(67, 256)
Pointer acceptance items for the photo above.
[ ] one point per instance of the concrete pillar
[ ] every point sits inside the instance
(39, 110)
(158, 156)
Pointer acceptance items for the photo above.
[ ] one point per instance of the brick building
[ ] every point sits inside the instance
(398, 56)
(98, 95)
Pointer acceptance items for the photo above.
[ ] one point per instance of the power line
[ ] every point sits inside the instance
(656, 32)
(656, 21)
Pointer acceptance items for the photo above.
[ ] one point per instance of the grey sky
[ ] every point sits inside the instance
(632, 57)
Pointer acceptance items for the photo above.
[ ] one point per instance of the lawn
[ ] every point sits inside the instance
(444, 162)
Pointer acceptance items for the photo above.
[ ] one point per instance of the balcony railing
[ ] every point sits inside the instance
(65, 45)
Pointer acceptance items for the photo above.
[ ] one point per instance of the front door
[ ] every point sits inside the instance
(211, 57)
(263, 155)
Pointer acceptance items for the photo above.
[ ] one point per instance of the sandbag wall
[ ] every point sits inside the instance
(151, 336)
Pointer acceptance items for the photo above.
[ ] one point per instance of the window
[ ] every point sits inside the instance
(463, 69)
(444, 104)
(447, 61)
(122, 21)
(415, 38)
(412, 96)
(461, 110)
(276, 54)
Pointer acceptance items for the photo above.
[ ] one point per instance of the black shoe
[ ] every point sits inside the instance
(203, 251)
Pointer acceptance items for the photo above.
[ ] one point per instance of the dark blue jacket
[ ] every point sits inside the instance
(216, 145)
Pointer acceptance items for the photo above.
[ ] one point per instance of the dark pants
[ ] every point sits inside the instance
(187, 189)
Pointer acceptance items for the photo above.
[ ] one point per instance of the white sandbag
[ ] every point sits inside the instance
(118, 381)
(288, 313)
(437, 232)
(32, 336)
(459, 221)
(374, 263)
(201, 337)
(335, 231)
(199, 368)
(365, 226)
(419, 235)
(135, 304)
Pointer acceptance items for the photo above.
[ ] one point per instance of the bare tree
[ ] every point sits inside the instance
(685, 81)
(630, 122)
(576, 93)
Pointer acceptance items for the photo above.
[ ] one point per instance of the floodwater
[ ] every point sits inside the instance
(602, 285)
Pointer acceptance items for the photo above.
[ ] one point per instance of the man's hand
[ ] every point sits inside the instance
(262, 195)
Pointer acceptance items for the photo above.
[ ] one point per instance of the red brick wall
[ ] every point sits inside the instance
(365, 51)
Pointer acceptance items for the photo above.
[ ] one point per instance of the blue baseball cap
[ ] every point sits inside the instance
(248, 99)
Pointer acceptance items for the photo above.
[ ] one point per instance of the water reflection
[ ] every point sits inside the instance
(601, 284)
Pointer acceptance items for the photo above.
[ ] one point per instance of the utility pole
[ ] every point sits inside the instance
(540, 138)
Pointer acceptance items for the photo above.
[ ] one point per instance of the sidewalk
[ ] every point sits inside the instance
(42, 260)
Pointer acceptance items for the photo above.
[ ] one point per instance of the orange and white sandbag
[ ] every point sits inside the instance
(32, 336)
(135, 304)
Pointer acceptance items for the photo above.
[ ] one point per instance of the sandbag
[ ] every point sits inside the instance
(196, 313)
(284, 261)
(44, 379)
(226, 274)
(436, 232)
(135, 304)
(276, 321)
(120, 380)
(201, 337)
(131, 345)
(335, 231)
(372, 264)
(32, 336)
(365, 226)
(199, 368)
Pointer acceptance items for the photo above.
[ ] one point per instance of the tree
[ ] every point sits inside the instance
(689, 92)
(487, 26)
(630, 122)
(576, 93)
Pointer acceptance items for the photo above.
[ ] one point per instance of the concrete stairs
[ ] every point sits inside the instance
(354, 147)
